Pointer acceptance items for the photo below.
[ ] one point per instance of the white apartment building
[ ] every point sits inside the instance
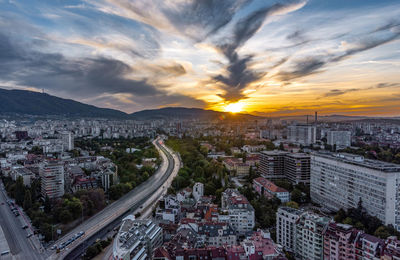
(137, 239)
(302, 134)
(339, 138)
(309, 236)
(341, 180)
(286, 218)
(67, 140)
(240, 211)
(198, 190)
(52, 180)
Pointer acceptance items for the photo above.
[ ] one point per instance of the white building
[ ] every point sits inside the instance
(137, 239)
(240, 211)
(198, 190)
(23, 172)
(286, 218)
(339, 138)
(52, 180)
(302, 134)
(67, 140)
(309, 236)
(341, 180)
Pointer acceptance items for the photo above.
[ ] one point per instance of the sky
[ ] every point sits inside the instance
(269, 58)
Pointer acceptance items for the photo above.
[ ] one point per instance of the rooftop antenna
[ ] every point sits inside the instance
(42, 90)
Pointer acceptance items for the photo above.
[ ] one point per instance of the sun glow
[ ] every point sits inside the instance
(234, 107)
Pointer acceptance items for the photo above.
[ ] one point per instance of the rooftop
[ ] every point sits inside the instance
(359, 160)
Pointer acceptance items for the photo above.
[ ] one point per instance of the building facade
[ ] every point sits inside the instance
(342, 180)
(297, 168)
(52, 180)
(339, 138)
(302, 134)
(272, 164)
(268, 189)
(286, 219)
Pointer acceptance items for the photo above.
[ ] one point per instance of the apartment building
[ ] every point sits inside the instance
(286, 219)
(309, 236)
(240, 211)
(272, 164)
(339, 138)
(198, 191)
(137, 239)
(295, 167)
(342, 180)
(268, 189)
(52, 180)
(302, 134)
(340, 241)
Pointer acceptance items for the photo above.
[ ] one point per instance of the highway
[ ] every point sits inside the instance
(111, 216)
(21, 247)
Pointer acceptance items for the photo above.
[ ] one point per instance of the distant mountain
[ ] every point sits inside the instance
(188, 113)
(35, 103)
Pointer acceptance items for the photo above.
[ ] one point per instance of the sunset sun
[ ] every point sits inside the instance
(234, 107)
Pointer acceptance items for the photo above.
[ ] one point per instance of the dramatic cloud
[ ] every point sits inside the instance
(239, 75)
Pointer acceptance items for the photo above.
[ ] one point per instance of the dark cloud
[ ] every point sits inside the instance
(314, 64)
(79, 78)
(239, 74)
(338, 92)
(199, 19)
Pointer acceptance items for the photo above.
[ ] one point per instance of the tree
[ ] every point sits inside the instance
(292, 204)
(340, 215)
(382, 232)
(65, 216)
(47, 205)
(19, 191)
(348, 221)
(296, 195)
(27, 200)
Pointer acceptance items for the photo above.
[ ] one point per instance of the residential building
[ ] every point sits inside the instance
(240, 211)
(52, 180)
(26, 175)
(339, 241)
(342, 180)
(198, 190)
(67, 140)
(339, 138)
(302, 134)
(272, 164)
(268, 189)
(137, 239)
(309, 236)
(369, 247)
(236, 165)
(392, 249)
(297, 168)
(286, 219)
(217, 234)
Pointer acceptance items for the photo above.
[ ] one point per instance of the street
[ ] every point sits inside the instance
(21, 247)
(132, 200)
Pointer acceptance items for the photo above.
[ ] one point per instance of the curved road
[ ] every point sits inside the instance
(111, 216)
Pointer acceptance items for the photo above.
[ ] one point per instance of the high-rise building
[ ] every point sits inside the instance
(52, 180)
(339, 138)
(297, 168)
(343, 180)
(302, 134)
(272, 164)
(286, 219)
(339, 241)
(240, 211)
(67, 140)
(309, 236)
(198, 190)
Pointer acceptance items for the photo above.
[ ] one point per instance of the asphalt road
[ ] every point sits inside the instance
(111, 216)
(21, 247)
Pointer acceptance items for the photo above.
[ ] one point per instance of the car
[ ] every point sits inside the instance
(5, 252)
(25, 227)
(16, 214)
(53, 247)
(2, 203)
(29, 235)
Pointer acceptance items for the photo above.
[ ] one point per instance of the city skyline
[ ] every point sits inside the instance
(259, 57)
